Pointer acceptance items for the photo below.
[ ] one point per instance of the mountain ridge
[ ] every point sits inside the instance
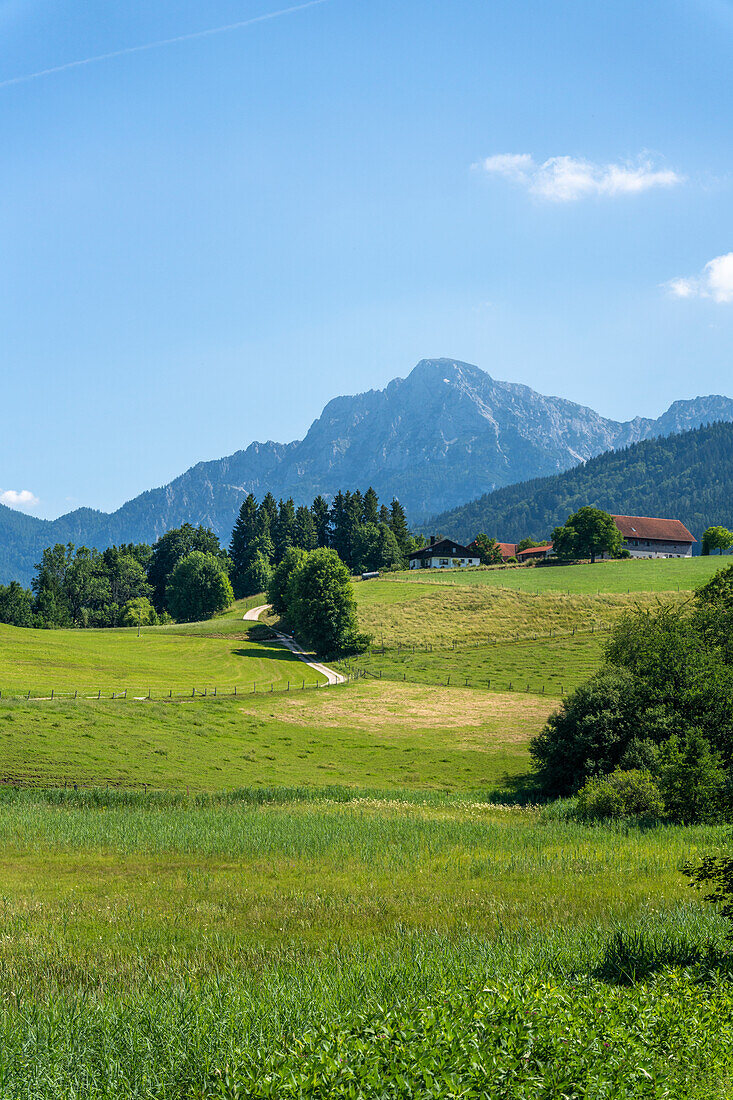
(447, 433)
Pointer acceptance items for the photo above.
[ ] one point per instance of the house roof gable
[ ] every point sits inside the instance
(444, 548)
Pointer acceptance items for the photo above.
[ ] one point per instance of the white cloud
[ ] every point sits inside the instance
(715, 281)
(566, 179)
(18, 498)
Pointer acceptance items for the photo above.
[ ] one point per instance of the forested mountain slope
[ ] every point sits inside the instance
(688, 476)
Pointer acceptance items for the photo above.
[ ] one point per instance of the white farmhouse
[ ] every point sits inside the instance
(443, 554)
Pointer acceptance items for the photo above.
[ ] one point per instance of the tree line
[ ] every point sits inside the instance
(186, 575)
(365, 535)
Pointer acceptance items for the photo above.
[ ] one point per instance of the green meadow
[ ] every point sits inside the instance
(334, 893)
(366, 734)
(161, 659)
(550, 666)
(351, 945)
(628, 575)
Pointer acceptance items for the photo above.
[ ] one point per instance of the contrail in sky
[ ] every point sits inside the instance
(161, 42)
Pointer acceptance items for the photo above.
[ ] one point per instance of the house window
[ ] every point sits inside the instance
(444, 562)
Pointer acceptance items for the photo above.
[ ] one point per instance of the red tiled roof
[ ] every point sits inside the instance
(507, 549)
(647, 527)
(535, 550)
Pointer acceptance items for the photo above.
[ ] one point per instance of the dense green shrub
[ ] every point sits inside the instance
(692, 780)
(620, 794)
(593, 729)
(198, 588)
(321, 607)
(666, 671)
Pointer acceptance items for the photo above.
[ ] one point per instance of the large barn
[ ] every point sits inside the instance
(648, 537)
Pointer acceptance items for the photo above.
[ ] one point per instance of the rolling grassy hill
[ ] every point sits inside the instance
(539, 630)
(161, 660)
(502, 604)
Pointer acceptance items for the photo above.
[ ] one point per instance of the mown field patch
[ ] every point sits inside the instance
(365, 734)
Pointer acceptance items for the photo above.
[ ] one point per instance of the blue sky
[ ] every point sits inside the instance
(204, 241)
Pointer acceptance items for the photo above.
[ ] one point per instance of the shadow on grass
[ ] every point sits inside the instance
(634, 956)
(518, 790)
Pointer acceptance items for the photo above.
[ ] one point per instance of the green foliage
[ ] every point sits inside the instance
(400, 530)
(488, 548)
(632, 793)
(717, 592)
(714, 874)
(365, 537)
(593, 729)
(82, 587)
(716, 538)
(692, 779)
(528, 543)
(198, 588)
(688, 476)
(280, 578)
(586, 534)
(245, 530)
(171, 548)
(257, 575)
(665, 674)
(16, 605)
(138, 611)
(305, 536)
(321, 605)
(374, 547)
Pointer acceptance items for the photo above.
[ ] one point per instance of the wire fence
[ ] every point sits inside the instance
(257, 687)
(494, 683)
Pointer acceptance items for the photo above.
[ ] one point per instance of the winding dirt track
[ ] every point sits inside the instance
(331, 677)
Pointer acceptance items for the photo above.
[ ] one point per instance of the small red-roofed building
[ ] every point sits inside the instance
(535, 553)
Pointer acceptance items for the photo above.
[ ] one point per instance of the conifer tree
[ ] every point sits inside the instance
(269, 509)
(283, 531)
(241, 546)
(304, 534)
(322, 521)
(400, 530)
(370, 512)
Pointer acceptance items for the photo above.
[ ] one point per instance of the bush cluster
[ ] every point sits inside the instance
(661, 706)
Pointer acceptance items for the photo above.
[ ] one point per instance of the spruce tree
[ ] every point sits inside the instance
(370, 511)
(304, 535)
(269, 509)
(241, 548)
(322, 521)
(400, 530)
(283, 531)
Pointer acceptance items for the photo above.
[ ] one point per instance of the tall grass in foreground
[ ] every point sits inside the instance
(352, 944)
(512, 1017)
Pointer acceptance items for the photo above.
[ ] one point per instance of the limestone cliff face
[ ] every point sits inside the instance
(444, 435)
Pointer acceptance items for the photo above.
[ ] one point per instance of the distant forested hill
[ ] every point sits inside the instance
(687, 476)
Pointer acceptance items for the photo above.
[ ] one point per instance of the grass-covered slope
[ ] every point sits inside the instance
(687, 477)
(503, 604)
(160, 659)
(368, 734)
